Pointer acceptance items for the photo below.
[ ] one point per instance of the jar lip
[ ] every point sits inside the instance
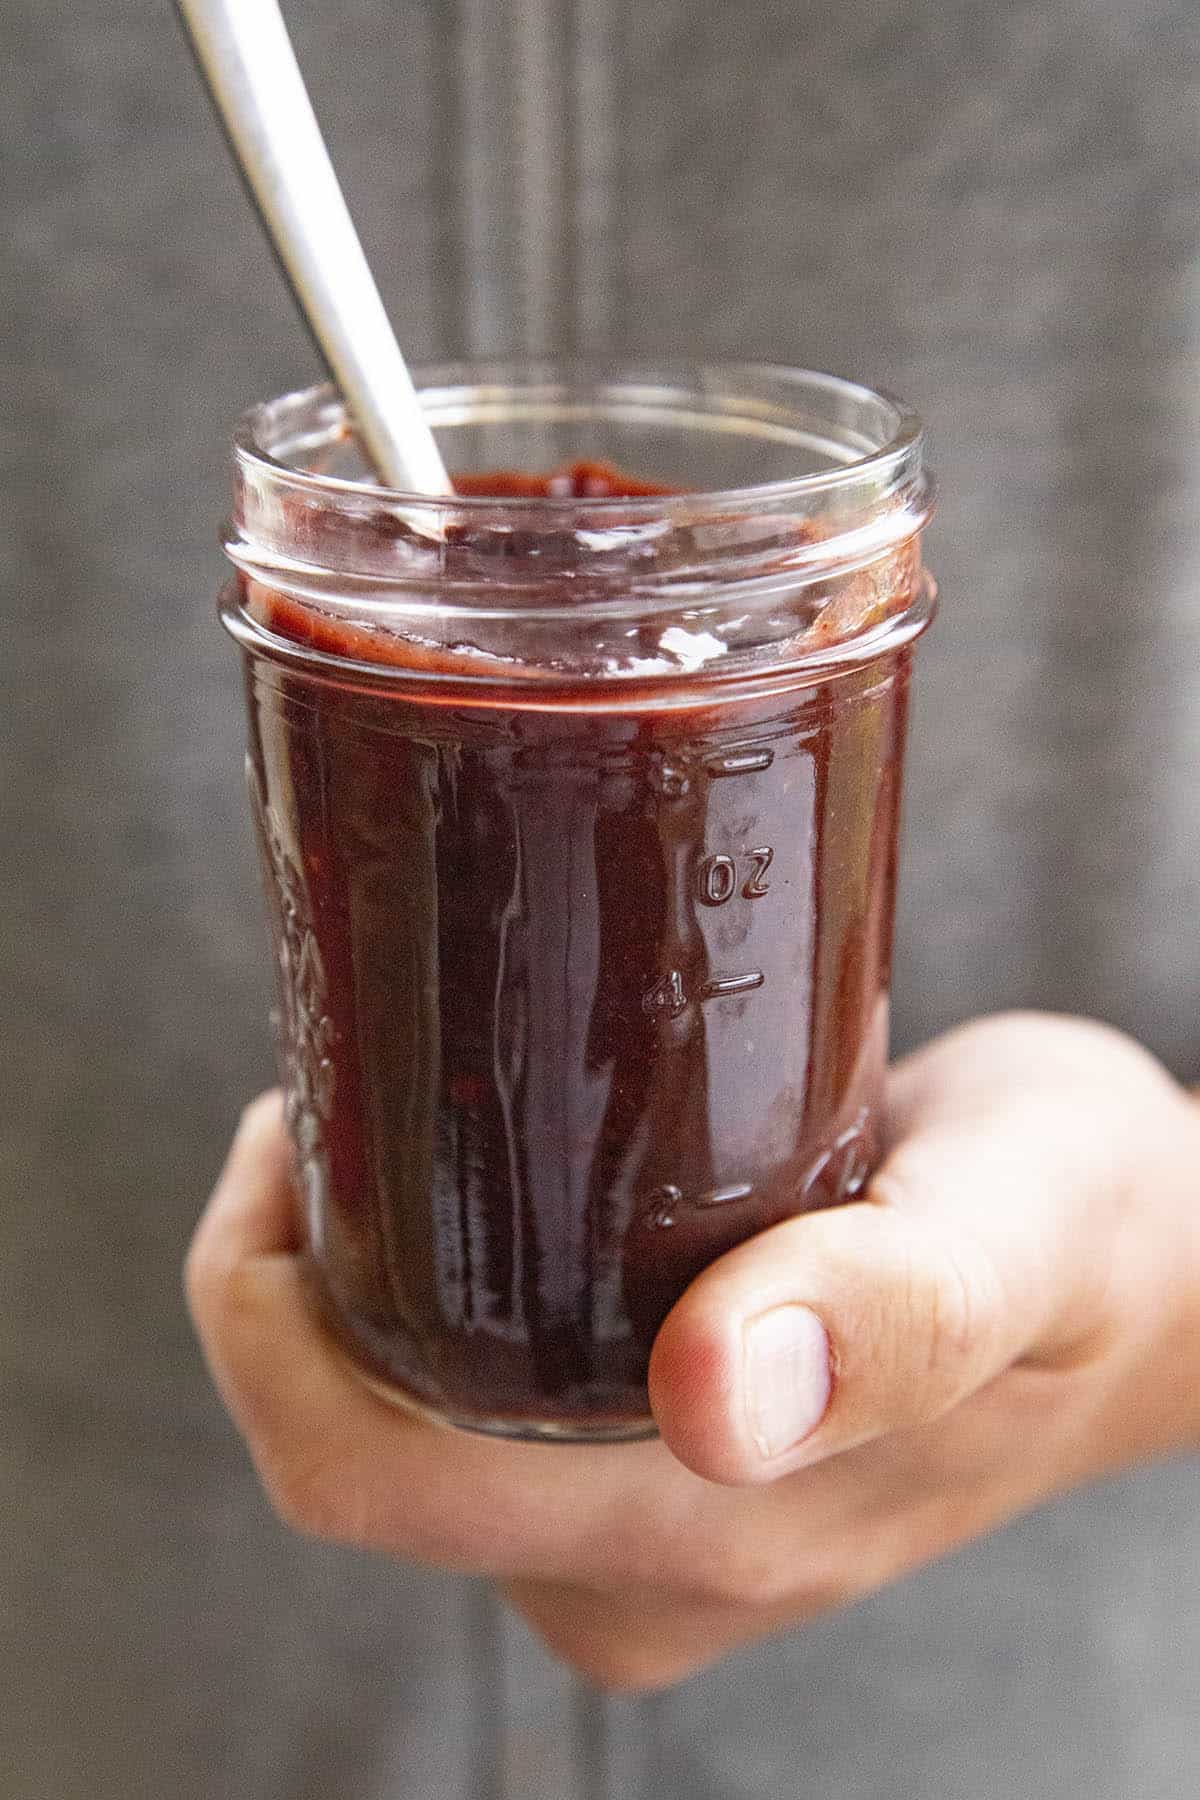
(903, 444)
(547, 690)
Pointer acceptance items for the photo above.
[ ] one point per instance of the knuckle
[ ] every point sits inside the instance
(940, 1260)
(195, 1276)
(206, 1278)
(832, 1592)
(336, 1502)
(941, 1308)
(228, 1296)
(606, 1640)
(615, 1669)
(614, 1663)
(958, 1311)
(309, 1500)
(342, 1493)
(951, 1313)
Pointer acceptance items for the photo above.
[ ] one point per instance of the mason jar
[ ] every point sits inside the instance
(577, 802)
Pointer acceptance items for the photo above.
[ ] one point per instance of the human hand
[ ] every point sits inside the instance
(1012, 1309)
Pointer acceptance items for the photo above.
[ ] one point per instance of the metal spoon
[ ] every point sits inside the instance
(247, 60)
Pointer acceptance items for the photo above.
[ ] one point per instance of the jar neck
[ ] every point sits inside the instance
(792, 531)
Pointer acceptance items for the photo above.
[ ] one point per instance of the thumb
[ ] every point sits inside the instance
(984, 1238)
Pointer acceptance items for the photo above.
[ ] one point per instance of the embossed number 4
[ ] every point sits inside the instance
(666, 996)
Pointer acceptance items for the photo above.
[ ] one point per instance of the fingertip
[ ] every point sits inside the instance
(695, 1391)
(252, 1209)
(259, 1120)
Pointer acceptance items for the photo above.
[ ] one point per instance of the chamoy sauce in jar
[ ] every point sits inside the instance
(582, 976)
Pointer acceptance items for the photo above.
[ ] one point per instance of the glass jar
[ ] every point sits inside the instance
(578, 825)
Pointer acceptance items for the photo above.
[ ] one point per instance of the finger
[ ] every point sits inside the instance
(340, 1463)
(250, 1301)
(253, 1210)
(336, 1460)
(986, 1237)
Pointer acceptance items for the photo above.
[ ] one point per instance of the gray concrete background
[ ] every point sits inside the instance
(992, 210)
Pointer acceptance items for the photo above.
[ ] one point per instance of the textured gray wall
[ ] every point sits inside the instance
(992, 210)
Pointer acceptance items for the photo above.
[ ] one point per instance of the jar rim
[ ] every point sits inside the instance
(789, 573)
(902, 445)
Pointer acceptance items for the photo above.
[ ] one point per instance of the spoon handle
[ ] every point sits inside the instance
(246, 57)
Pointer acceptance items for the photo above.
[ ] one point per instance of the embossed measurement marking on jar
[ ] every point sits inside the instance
(666, 1203)
(739, 762)
(670, 997)
(717, 876)
(671, 779)
(724, 1196)
(732, 984)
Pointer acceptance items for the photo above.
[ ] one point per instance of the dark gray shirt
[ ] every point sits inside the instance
(991, 209)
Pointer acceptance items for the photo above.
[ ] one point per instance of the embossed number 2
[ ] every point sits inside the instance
(755, 884)
(717, 877)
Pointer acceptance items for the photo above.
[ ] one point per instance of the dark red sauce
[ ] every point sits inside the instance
(579, 480)
(571, 1001)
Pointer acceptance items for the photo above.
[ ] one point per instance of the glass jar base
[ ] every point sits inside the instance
(521, 1430)
(345, 1344)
